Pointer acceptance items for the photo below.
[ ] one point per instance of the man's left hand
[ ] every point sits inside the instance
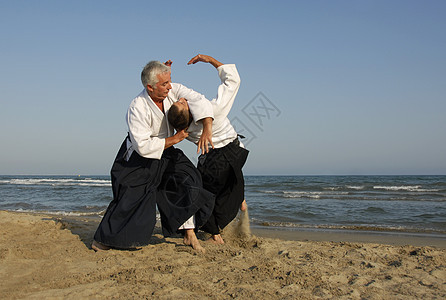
(204, 141)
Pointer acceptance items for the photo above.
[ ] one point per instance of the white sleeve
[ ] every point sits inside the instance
(199, 106)
(230, 84)
(140, 132)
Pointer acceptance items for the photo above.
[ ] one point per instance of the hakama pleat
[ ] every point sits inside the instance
(221, 171)
(130, 218)
(181, 194)
(138, 185)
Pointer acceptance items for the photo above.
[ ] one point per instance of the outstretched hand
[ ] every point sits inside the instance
(199, 57)
(206, 59)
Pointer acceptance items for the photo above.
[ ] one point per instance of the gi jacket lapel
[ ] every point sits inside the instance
(167, 103)
(160, 115)
(153, 106)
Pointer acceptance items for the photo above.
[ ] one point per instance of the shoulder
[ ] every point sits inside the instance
(178, 90)
(140, 101)
(176, 87)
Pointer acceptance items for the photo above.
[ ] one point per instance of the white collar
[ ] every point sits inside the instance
(153, 106)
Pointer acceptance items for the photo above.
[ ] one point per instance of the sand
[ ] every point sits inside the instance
(48, 257)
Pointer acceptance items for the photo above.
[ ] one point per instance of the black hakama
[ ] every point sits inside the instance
(221, 171)
(139, 184)
(181, 193)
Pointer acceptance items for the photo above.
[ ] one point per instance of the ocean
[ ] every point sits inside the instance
(414, 204)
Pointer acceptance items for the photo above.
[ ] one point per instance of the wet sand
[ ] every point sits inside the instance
(354, 236)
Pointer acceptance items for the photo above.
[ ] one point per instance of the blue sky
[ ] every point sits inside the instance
(353, 87)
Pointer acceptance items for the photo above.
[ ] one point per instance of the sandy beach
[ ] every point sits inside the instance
(50, 257)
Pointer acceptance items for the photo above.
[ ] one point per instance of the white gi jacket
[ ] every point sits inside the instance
(148, 125)
(222, 131)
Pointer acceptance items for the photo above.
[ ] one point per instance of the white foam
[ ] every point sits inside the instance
(59, 182)
(301, 196)
(410, 188)
(61, 213)
(354, 187)
(269, 192)
(311, 195)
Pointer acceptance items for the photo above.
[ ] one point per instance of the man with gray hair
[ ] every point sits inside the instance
(149, 171)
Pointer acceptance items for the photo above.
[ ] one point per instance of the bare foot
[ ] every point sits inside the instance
(96, 246)
(244, 206)
(190, 239)
(217, 239)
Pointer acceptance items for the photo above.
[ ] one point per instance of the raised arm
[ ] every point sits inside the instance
(227, 91)
(206, 59)
(230, 84)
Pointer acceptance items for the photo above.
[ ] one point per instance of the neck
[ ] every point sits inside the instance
(156, 100)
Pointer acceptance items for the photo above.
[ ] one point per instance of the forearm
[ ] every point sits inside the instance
(215, 62)
(170, 141)
(178, 137)
(207, 124)
(206, 136)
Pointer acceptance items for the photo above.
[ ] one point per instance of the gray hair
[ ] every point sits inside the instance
(149, 74)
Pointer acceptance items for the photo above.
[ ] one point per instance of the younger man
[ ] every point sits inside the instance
(221, 167)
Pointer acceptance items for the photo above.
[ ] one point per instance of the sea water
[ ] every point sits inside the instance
(387, 203)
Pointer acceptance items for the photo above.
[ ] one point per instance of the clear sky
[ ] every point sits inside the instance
(328, 87)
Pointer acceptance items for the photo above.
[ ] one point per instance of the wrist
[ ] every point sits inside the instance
(214, 62)
(217, 64)
(177, 138)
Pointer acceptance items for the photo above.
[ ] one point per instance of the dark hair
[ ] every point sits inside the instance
(178, 118)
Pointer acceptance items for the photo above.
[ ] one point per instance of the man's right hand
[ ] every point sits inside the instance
(175, 139)
(181, 135)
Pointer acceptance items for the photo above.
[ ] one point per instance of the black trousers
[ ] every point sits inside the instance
(139, 184)
(221, 171)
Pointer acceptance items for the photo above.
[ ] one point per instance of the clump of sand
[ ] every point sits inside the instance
(45, 257)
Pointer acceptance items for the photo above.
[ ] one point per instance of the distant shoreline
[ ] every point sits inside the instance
(246, 175)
